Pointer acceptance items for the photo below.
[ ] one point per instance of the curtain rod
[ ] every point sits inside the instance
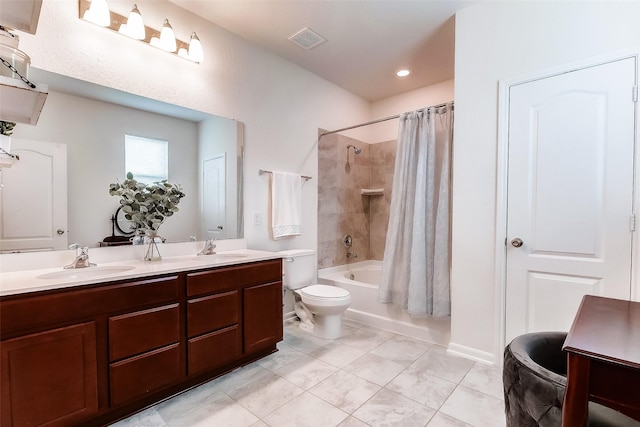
(378, 121)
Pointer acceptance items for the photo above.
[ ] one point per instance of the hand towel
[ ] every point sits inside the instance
(286, 204)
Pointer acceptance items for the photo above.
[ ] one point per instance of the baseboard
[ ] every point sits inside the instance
(471, 353)
(288, 315)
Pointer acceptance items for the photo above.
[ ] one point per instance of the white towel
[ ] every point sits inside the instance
(286, 204)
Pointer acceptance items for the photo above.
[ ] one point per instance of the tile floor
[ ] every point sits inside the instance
(369, 377)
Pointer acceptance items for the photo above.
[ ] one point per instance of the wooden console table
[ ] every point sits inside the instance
(603, 354)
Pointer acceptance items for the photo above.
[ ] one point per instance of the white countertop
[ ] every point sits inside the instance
(19, 282)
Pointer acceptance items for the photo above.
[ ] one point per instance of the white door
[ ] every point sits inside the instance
(213, 197)
(33, 198)
(570, 186)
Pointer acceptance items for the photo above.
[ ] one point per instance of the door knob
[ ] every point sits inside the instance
(60, 231)
(517, 242)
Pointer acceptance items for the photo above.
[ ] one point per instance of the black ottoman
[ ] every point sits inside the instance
(534, 381)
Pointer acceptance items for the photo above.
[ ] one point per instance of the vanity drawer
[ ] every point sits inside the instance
(226, 278)
(141, 375)
(23, 312)
(135, 333)
(213, 350)
(212, 312)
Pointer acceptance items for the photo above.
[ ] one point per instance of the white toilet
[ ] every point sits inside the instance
(325, 302)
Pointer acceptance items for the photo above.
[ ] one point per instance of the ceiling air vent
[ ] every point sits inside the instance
(306, 38)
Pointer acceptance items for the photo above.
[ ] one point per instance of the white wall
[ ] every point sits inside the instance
(281, 105)
(494, 41)
(93, 132)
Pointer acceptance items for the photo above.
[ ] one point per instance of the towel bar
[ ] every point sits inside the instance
(263, 171)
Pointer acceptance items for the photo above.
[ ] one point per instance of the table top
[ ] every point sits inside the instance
(606, 329)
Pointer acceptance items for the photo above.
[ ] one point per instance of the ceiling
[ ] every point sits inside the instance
(367, 41)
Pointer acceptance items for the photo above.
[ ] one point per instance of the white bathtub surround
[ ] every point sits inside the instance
(415, 275)
(366, 309)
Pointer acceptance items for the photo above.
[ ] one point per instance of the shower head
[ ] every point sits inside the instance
(356, 150)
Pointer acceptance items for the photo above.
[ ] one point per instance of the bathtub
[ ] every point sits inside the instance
(362, 279)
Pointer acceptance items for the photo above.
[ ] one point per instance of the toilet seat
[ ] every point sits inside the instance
(324, 292)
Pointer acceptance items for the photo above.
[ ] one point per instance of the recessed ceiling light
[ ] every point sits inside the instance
(403, 73)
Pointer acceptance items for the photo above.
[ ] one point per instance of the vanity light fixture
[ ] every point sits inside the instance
(133, 26)
(98, 13)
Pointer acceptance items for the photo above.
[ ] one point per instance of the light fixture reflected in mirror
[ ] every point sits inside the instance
(98, 13)
(133, 27)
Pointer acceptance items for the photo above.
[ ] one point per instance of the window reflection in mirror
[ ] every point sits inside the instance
(92, 121)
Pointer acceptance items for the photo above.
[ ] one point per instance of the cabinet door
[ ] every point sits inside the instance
(262, 316)
(50, 377)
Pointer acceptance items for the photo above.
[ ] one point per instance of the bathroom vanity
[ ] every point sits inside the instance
(95, 352)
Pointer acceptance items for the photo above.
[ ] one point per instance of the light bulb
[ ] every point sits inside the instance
(195, 49)
(135, 25)
(167, 37)
(98, 13)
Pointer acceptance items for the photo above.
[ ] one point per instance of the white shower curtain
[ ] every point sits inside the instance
(415, 269)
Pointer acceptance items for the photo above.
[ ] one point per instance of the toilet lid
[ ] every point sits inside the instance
(324, 291)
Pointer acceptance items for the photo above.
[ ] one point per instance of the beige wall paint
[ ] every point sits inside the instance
(505, 40)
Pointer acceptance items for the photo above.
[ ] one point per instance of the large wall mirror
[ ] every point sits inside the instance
(85, 125)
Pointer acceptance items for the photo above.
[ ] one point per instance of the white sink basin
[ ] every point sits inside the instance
(86, 273)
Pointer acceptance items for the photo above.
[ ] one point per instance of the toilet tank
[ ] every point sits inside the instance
(299, 268)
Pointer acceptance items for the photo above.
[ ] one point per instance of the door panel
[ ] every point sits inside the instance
(570, 187)
(37, 185)
(214, 197)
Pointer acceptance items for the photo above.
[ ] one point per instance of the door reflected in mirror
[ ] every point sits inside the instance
(205, 158)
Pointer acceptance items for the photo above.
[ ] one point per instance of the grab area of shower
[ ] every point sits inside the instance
(354, 198)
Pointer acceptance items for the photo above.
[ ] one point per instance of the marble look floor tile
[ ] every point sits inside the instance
(442, 420)
(147, 418)
(387, 408)
(426, 389)
(437, 362)
(353, 422)
(306, 410)
(475, 408)
(265, 394)
(401, 349)
(337, 354)
(345, 391)
(304, 341)
(217, 410)
(238, 378)
(306, 371)
(260, 423)
(351, 324)
(365, 339)
(375, 369)
(486, 379)
(184, 403)
(282, 357)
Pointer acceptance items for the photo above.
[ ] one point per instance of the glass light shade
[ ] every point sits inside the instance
(135, 25)
(98, 13)
(195, 49)
(167, 37)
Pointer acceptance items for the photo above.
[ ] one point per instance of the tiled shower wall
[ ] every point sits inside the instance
(342, 209)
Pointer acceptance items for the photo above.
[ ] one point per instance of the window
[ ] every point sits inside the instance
(146, 158)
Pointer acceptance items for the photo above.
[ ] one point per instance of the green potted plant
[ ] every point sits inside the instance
(147, 206)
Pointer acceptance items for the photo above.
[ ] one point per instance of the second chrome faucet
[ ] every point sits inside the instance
(82, 258)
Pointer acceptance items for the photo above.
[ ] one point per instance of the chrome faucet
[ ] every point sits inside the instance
(209, 248)
(82, 258)
(352, 255)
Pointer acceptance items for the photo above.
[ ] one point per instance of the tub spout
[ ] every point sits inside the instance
(352, 255)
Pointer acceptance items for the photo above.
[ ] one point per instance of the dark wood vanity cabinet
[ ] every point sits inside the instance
(92, 354)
